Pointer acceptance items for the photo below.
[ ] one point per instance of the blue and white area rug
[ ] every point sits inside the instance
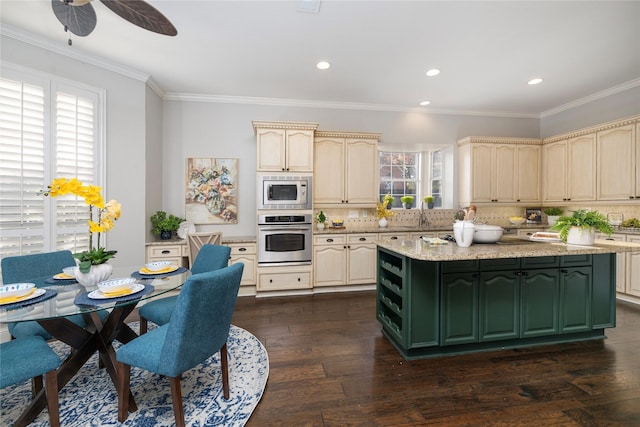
(90, 398)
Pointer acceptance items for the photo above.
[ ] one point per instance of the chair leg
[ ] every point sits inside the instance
(143, 325)
(224, 365)
(176, 395)
(36, 386)
(124, 373)
(51, 390)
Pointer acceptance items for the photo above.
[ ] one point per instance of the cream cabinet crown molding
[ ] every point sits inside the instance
(346, 134)
(499, 140)
(593, 129)
(284, 125)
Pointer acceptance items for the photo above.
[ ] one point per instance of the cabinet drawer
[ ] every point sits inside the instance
(362, 238)
(242, 248)
(394, 236)
(333, 239)
(280, 281)
(164, 251)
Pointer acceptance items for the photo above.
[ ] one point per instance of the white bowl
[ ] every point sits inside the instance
(15, 289)
(116, 285)
(485, 233)
(158, 265)
(517, 221)
(70, 271)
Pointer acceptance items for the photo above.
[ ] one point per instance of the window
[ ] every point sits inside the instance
(48, 129)
(399, 176)
(436, 177)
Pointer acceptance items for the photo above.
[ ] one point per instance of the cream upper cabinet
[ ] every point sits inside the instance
(345, 169)
(617, 164)
(569, 169)
(284, 146)
(499, 170)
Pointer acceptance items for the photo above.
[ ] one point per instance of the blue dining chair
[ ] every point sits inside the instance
(209, 258)
(30, 358)
(199, 328)
(35, 268)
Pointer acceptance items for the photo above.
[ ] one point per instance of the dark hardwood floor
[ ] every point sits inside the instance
(331, 366)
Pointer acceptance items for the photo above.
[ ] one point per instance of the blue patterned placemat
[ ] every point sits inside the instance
(138, 275)
(49, 293)
(83, 298)
(59, 282)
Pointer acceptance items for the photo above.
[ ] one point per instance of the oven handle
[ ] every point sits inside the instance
(283, 228)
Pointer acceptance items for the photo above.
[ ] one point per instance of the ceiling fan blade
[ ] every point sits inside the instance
(80, 20)
(142, 14)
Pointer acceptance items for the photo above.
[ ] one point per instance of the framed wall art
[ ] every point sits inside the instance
(211, 195)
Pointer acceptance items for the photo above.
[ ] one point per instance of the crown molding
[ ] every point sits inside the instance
(284, 125)
(499, 140)
(71, 52)
(593, 97)
(301, 103)
(592, 129)
(347, 134)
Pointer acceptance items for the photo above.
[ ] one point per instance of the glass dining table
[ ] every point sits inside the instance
(104, 319)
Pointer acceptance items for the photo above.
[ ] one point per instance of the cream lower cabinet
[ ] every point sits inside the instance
(617, 164)
(175, 252)
(284, 278)
(247, 254)
(632, 285)
(344, 259)
(345, 169)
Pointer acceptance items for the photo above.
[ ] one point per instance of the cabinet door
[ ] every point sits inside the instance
(499, 306)
(616, 164)
(361, 173)
(528, 174)
(482, 175)
(554, 172)
(540, 299)
(362, 264)
(637, 160)
(299, 145)
(575, 299)
(328, 171)
(581, 167)
(633, 269)
(246, 254)
(271, 152)
(459, 321)
(329, 265)
(505, 173)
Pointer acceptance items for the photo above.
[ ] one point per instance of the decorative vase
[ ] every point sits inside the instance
(430, 205)
(166, 235)
(552, 219)
(321, 226)
(406, 205)
(96, 274)
(581, 236)
(382, 222)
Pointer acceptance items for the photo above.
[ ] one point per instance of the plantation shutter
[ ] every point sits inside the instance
(47, 130)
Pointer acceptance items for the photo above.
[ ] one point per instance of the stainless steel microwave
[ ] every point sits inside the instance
(284, 192)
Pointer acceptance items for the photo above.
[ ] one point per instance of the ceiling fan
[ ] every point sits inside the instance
(79, 17)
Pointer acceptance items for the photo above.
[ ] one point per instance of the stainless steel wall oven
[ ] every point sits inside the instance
(284, 239)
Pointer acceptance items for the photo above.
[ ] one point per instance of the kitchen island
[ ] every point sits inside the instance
(436, 300)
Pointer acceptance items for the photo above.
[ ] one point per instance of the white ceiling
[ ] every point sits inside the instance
(379, 50)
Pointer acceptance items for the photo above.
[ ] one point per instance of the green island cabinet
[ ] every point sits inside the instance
(434, 308)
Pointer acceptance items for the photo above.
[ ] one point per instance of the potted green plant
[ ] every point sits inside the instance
(553, 214)
(321, 219)
(388, 200)
(429, 201)
(407, 201)
(164, 225)
(580, 228)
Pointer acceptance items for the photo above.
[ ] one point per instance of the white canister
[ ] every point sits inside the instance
(463, 232)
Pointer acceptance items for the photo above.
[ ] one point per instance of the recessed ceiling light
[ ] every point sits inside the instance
(423, 103)
(535, 81)
(433, 72)
(323, 65)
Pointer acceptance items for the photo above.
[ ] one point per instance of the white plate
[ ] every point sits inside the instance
(15, 289)
(185, 228)
(146, 272)
(37, 293)
(116, 285)
(545, 237)
(99, 295)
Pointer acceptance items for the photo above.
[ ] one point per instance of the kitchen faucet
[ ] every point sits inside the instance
(422, 221)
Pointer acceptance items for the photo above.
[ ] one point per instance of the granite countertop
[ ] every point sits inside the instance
(378, 229)
(510, 247)
(225, 239)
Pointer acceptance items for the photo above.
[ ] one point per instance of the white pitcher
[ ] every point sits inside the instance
(463, 232)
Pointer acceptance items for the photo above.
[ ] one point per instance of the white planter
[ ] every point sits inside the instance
(581, 236)
(320, 226)
(96, 274)
(383, 222)
(552, 219)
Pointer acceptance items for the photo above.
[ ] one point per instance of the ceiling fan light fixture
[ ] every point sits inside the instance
(76, 2)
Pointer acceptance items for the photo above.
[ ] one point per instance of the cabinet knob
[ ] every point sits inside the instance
(298, 279)
(329, 240)
(362, 239)
(394, 237)
(166, 252)
(242, 249)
